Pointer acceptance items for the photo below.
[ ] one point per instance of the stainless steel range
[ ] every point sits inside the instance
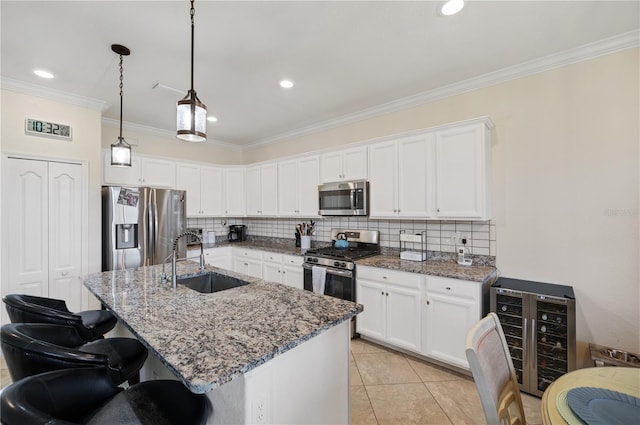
(337, 260)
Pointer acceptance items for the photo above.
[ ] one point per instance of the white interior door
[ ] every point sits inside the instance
(25, 191)
(65, 233)
(43, 218)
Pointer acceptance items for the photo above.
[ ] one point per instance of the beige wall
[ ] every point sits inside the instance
(171, 147)
(566, 181)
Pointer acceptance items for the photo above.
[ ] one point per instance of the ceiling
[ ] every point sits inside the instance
(344, 57)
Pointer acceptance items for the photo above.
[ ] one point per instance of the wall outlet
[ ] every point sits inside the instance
(260, 412)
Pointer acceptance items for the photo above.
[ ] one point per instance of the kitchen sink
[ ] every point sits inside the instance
(209, 282)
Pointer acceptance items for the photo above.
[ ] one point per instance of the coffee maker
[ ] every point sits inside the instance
(237, 232)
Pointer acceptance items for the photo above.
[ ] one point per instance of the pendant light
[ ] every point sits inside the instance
(192, 114)
(121, 150)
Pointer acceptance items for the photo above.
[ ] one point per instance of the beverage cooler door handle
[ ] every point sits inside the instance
(525, 353)
(534, 348)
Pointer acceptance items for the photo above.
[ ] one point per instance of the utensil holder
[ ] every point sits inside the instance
(305, 242)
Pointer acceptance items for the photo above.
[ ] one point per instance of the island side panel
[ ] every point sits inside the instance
(306, 385)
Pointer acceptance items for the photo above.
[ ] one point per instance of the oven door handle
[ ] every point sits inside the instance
(345, 273)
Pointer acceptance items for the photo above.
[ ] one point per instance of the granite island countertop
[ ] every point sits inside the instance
(207, 340)
(448, 269)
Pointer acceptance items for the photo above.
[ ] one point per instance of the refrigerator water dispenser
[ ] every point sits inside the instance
(126, 236)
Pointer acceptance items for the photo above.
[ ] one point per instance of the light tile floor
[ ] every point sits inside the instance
(388, 387)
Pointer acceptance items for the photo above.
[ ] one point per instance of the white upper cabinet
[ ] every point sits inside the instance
(442, 174)
(204, 189)
(262, 190)
(342, 165)
(399, 174)
(234, 191)
(463, 172)
(298, 187)
(144, 171)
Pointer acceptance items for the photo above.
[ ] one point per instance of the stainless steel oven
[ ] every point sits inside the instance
(339, 283)
(344, 198)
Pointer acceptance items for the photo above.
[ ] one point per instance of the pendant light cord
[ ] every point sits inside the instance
(121, 78)
(193, 12)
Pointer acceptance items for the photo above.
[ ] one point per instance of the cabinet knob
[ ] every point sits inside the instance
(246, 264)
(387, 294)
(448, 288)
(384, 277)
(427, 302)
(64, 273)
(382, 293)
(284, 272)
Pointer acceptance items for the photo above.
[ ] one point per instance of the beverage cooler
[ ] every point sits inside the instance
(539, 324)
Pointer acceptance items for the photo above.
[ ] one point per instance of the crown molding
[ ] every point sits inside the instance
(110, 122)
(53, 94)
(588, 51)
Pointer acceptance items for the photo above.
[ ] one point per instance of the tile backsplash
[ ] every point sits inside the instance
(440, 234)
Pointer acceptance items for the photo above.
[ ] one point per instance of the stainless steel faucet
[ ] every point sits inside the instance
(174, 259)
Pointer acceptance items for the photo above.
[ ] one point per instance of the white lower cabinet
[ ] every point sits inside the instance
(450, 308)
(247, 261)
(285, 269)
(391, 301)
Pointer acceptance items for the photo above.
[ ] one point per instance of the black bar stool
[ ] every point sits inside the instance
(88, 396)
(32, 348)
(91, 324)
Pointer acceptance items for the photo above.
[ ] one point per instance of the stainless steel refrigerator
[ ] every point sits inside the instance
(140, 224)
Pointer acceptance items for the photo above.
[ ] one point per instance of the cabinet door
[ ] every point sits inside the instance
(461, 174)
(65, 233)
(447, 321)
(355, 164)
(271, 272)
(269, 190)
(308, 186)
(188, 178)
(383, 179)
(331, 167)
(403, 317)
(254, 189)
(413, 176)
(25, 187)
(254, 268)
(293, 276)
(371, 322)
(234, 192)
(211, 191)
(158, 173)
(240, 265)
(120, 176)
(288, 188)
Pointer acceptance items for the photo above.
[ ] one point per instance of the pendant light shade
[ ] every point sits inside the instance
(121, 150)
(191, 113)
(121, 153)
(192, 119)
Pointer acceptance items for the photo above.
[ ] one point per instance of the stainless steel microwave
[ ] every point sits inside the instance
(344, 198)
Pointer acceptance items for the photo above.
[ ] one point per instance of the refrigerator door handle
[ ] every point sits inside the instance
(525, 352)
(154, 229)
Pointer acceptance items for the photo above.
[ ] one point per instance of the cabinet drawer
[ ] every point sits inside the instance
(455, 287)
(392, 277)
(271, 257)
(292, 260)
(247, 253)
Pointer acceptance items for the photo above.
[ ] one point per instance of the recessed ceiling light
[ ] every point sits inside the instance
(43, 74)
(211, 118)
(286, 84)
(452, 7)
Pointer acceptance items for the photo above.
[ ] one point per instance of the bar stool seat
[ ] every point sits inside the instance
(91, 324)
(32, 348)
(88, 396)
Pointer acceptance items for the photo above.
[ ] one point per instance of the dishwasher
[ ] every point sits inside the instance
(539, 324)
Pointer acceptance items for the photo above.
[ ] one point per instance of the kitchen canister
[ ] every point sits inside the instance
(211, 237)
